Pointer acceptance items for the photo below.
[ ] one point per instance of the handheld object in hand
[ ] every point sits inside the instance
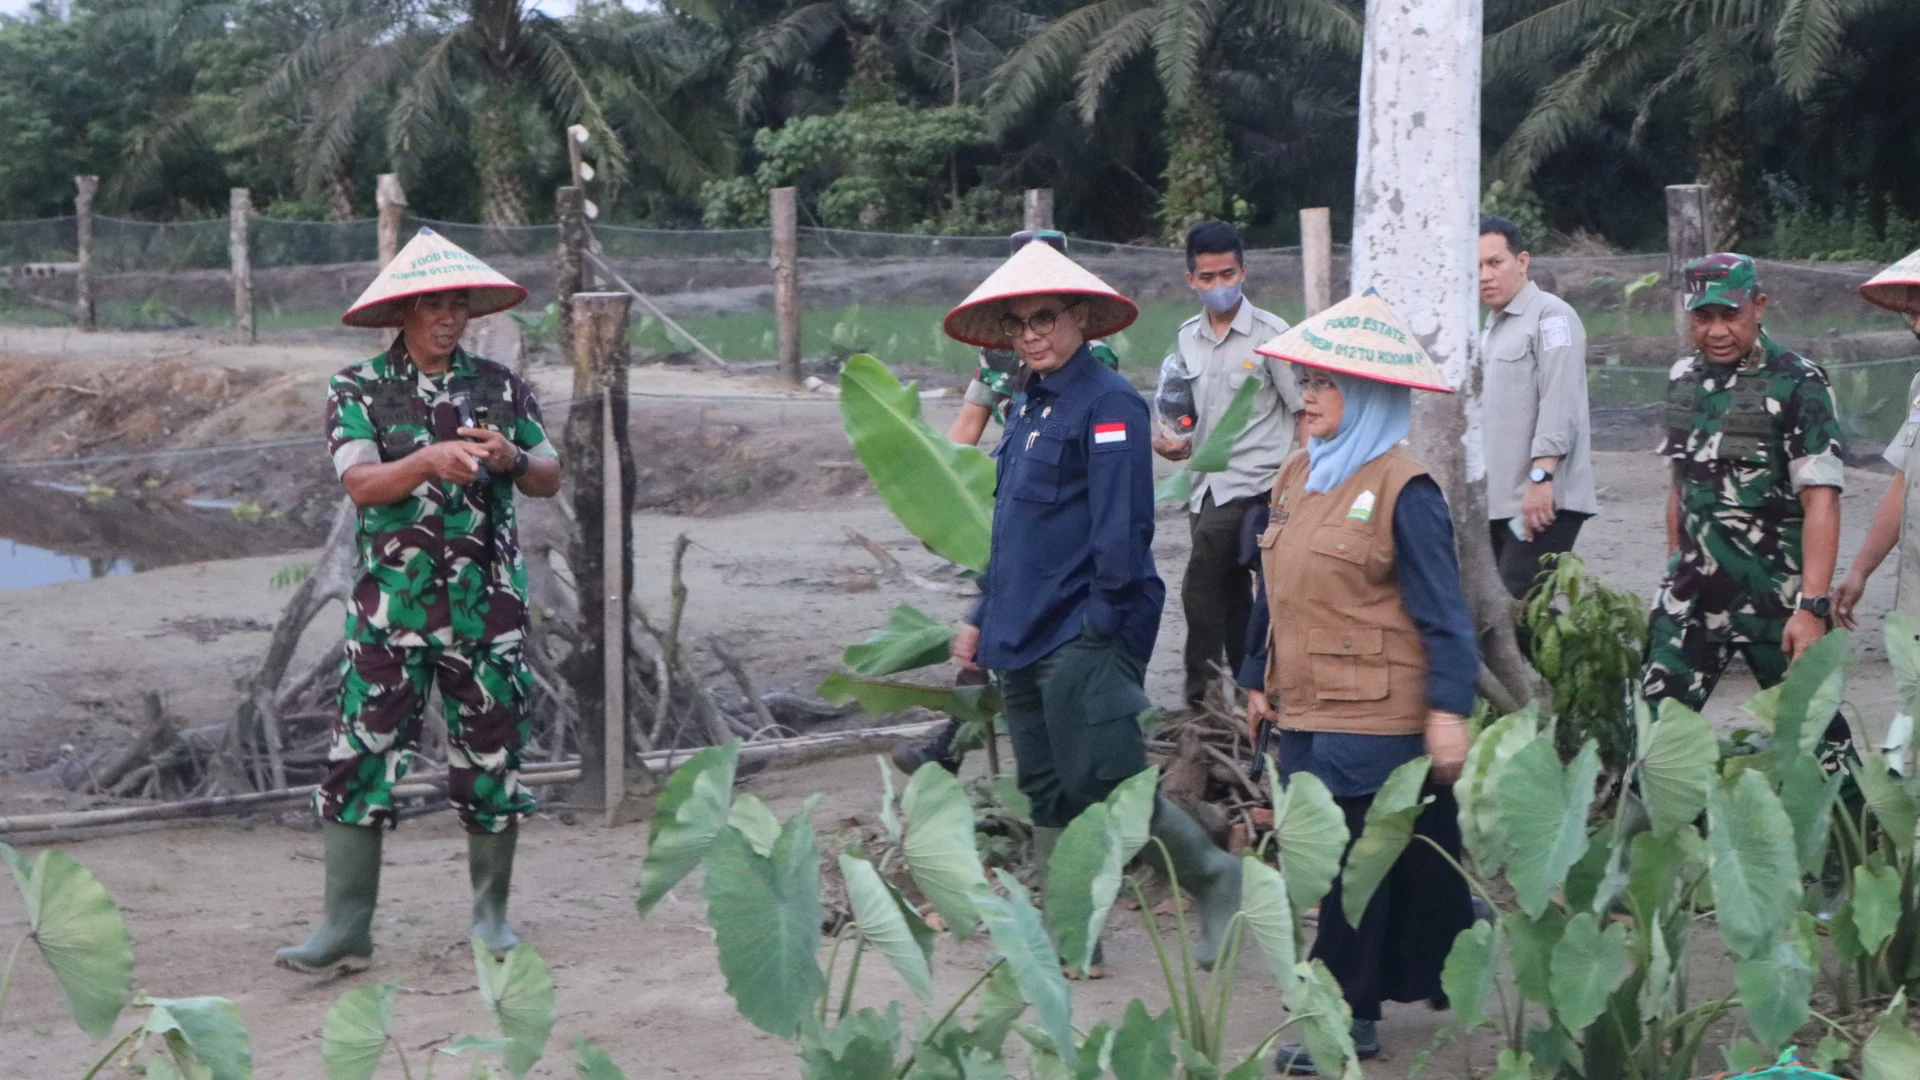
(473, 416)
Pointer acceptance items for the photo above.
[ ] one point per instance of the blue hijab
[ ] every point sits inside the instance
(1374, 417)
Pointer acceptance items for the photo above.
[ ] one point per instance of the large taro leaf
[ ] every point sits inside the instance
(889, 925)
(1480, 829)
(1388, 829)
(1269, 917)
(860, 1047)
(1310, 831)
(354, 1035)
(1808, 791)
(204, 1036)
(911, 639)
(756, 822)
(1892, 1052)
(1892, 805)
(691, 812)
(518, 990)
(1810, 694)
(1903, 653)
(1143, 1045)
(1131, 804)
(1530, 944)
(1587, 964)
(1543, 810)
(939, 846)
(1874, 909)
(883, 697)
(1468, 975)
(80, 935)
(1000, 1006)
(1024, 946)
(1083, 877)
(1654, 873)
(1325, 1022)
(592, 1063)
(765, 913)
(1754, 869)
(941, 492)
(1775, 991)
(1677, 767)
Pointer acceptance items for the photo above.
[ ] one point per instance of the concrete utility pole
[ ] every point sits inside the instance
(240, 255)
(1316, 258)
(1039, 208)
(390, 200)
(1689, 236)
(786, 281)
(83, 232)
(1415, 239)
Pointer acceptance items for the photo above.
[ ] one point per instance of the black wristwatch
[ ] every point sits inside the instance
(1821, 606)
(1540, 475)
(521, 463)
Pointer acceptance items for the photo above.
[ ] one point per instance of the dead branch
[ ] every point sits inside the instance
(745, 681)
(157, 733)
(896, 573)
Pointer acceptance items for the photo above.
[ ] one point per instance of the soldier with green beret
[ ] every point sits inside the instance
(1753, 519)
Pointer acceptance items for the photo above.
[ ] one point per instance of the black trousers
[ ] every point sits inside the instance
(1216, 594)
(1519, 559)
(1397, 951)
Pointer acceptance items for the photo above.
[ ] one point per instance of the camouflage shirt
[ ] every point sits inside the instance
(1745, 440)
(997, 380)
(443, 565)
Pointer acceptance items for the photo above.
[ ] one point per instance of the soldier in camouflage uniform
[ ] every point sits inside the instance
(431, 443)
(1753, 520)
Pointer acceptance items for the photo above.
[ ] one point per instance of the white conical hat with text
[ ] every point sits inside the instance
(1897, 288)
(431, 263)
(1037, 270)
(1360, 336)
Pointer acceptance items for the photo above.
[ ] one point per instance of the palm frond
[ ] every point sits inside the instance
(1336, 24)
(781, 47)
(1182, 35)
(564, 84)
(1616, 61)
(1545, 32)
(1049, 58)
(426, 99)
(1112, 51)
(1807, 39)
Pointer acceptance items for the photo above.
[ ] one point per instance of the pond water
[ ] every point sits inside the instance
(23, 566)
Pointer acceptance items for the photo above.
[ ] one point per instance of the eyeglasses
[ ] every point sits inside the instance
(1040, 322)
(1317, 382)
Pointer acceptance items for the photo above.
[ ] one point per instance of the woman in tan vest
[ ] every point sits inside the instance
(1366, 659)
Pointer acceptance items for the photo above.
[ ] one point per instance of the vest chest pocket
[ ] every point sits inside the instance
(1036, 465)
(1746, 430)
(400, 419)
(1340, 542)
(1347, 664)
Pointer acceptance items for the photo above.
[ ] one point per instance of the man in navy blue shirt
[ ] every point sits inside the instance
(1070, 604)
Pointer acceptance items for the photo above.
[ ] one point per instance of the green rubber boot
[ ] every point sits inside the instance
(490, 865)
(343, 941)
(1211, 875)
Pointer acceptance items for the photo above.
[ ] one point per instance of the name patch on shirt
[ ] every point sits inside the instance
(1107, 433)
(1362, 508)
(1555, 333)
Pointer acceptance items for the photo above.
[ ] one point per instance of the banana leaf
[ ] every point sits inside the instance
(1213, 454)
(911, 639)
(883, 697)
(940, 491)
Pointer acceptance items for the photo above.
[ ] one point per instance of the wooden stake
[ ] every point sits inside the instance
(570, 209)
(83, 230)
(1689, 236)
(613, 614)
(391, 199)
(1316, 258)
(1038, 208)
(240, 255)
(786, 281)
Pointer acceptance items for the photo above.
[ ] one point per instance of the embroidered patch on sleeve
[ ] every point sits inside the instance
(1108, 432)
(1555, 333)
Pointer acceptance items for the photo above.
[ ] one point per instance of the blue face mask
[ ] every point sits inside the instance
(1220, 298)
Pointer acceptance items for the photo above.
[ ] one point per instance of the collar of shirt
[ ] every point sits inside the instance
(1521, 303)
(1077, 369)
(396, 364)
(1242, 323)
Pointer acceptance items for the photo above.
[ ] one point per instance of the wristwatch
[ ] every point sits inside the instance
(521, 463)
(1821, 606)
(1540, 475)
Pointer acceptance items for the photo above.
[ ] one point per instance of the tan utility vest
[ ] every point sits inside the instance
(1344, 654)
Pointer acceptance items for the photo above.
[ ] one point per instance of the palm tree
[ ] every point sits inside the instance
(1715, 60)
(497, 72)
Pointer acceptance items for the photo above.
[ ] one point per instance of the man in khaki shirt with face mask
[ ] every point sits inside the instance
(1537, 435)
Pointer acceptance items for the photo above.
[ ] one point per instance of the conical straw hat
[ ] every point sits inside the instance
(1360, 336)
(431, 263)
(1037, 270)
(1897, 288)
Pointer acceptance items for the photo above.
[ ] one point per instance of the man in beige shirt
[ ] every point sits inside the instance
(1537, 437)
(1215, 349)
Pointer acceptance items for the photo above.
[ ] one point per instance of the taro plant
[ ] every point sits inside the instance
(516, 989)
(763, 890)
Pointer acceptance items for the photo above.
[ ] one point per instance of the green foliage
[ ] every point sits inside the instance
(1587, 642)
(1858, 230)
(355, 1034)
(1199, 168)
(79, 934)
(886, 919)
(290, 575)
(909, 640)
(1083, 876)
(1310, 835)
(1388, 829)
(765, 911)
(938, 844)
(692, 811)
(518, 990)
(942, 493)
(1543, 811)
(1520, 205)
(1213, 454)
(203, 1036)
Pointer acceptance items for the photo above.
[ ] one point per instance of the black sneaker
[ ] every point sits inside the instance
(1292, 1059)
(908, 757)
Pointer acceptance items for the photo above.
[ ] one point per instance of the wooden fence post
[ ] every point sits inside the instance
(240, 254)
(599, 469)
(391, 199)
(83, 230)
(1316, 258)
(1689, 236)
(786, 281)
(1038, 209)
(570, 210)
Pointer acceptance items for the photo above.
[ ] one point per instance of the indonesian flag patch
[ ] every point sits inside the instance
(1108, 432)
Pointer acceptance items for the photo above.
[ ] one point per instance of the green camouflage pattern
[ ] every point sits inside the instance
(1725, 278)
(1745, 438)
(383, 702)
(443, 565)
(1000, 377)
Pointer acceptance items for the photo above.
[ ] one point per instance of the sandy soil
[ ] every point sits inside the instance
(768, 499)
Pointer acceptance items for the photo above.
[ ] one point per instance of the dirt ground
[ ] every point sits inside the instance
(768, 500)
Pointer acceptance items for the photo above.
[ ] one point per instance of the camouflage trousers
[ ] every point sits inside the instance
(383, 702)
